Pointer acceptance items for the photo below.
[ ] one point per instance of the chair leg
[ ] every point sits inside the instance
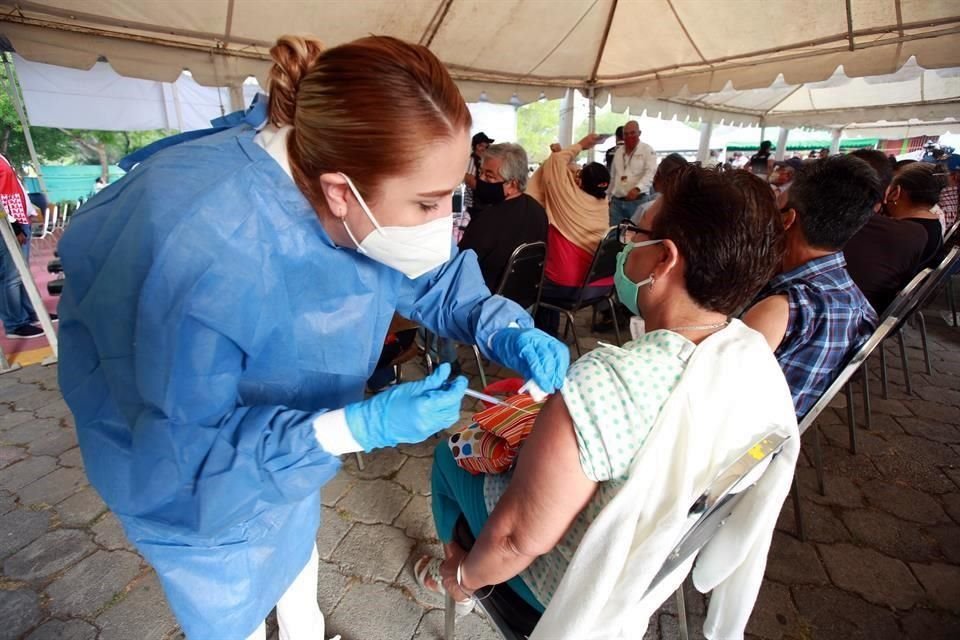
(903, 361)
(867, 408)
(923, 341)
(851, 418)
(449, 619)
(884, 382)
(576, 338)
(359, 461)
(616, 322)
(483, 375)
(797, 514)
(682, 613)
(818, 459)
(952, 300)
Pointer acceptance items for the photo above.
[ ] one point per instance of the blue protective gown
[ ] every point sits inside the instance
(207, 319)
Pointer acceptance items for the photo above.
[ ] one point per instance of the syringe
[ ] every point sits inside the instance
(492, 400)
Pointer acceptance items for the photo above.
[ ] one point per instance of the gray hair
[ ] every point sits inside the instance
(514, 162)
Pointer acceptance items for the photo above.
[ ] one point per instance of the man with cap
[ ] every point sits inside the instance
(783, 173)
(479, 145)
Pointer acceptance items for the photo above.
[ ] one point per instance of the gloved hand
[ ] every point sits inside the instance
(534, 354)
(407, 413)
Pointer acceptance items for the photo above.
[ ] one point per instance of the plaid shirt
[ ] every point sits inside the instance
(948, 203)
(829, 319)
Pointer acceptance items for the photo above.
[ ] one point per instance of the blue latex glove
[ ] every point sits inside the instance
(534, 354)
(408, 412)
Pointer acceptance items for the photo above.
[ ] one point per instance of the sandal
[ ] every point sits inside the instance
(428, 566)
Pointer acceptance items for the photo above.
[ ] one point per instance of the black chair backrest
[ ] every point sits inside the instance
(604, 263)
(905, 296)
(930, 286)
(951, 232)
(523, 278)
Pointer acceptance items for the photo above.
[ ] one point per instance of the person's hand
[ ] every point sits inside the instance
(633, 194)
(448, 572)
(22, 238)
(555, 147)
(408, 412)
(590, 140)
(534, 354)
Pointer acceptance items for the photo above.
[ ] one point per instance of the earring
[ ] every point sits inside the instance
(652, 280)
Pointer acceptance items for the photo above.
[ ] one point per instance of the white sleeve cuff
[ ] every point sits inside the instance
(333, 434)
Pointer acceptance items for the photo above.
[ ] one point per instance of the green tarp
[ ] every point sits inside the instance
(70, 182)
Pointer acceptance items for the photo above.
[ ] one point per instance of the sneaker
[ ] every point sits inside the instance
(24, 332)
(53, 318)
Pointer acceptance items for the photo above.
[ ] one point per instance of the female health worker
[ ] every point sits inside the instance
(227, 299)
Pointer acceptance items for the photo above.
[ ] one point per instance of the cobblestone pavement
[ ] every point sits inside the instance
(881, 559)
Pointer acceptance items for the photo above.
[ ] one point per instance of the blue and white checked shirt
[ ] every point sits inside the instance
(829, 319)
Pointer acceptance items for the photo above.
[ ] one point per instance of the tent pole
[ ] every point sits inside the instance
(14, 93)
(566, 119)
(592, 120)
(10, 240)
(835, 141)
(703, 152)
(236, 97)
(781, 149)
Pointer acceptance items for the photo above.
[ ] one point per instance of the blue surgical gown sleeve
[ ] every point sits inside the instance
(198, 443)
(454, 302)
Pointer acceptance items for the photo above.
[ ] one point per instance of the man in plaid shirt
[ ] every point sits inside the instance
(812, 313)
(951, 194)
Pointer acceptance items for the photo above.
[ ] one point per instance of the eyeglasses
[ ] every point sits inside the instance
(627, 232)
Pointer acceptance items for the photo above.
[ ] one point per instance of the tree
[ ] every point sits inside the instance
(537, 127)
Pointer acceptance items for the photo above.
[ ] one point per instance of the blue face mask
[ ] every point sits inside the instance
(627, 289)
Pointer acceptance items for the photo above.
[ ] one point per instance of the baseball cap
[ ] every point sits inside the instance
(794, 163)
(953, 162)
(481, 138)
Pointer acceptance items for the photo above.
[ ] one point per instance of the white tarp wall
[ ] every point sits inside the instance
(102, 99)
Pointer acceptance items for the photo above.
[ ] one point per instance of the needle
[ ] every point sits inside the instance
(490, 399)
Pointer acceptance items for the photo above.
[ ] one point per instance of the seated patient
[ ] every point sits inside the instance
(713, 240)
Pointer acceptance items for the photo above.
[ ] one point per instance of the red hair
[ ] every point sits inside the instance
(344, 101)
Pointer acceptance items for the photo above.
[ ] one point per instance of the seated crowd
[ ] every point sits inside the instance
(778, 275)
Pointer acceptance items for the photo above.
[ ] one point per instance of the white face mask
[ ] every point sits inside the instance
(412, 251)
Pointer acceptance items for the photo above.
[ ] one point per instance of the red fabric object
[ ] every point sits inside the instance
(11, 194)
(567, 264)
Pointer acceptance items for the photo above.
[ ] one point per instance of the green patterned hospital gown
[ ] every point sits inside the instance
(614, 396)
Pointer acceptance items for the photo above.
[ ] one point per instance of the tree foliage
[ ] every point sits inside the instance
(537, 126)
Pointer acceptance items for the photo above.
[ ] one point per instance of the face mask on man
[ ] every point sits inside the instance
(413, 250)
(489, 193)
(627, 289)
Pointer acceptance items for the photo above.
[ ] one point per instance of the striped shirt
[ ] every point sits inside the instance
(829, 319)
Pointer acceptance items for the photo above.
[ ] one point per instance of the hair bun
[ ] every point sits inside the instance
(293, 57)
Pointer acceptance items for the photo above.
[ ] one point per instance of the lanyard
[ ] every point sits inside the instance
(626, 161)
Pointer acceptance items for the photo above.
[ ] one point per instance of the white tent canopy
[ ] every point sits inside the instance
(521, 48)
(102, 99)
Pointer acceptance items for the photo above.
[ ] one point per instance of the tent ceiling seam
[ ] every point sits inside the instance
(784, 99)
(435, 23)
(603, 41)
(853, 45)
(229, 24)
(683, 27)
(564, 38)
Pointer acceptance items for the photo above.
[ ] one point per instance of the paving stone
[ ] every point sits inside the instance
(93, 582)
(373, 552)
(893, 537)
(922, 449)
(820, 523)
(951, 504)
(832, 614)
(938, 394)
(331, 585)
(53, 487)
(934, 411)
(80, 508)
(7, 503)
(904, 502)
(20, 527)
(942, 584)
(41, 398)
(948, 537)
(868, 442)
(13, 419)
(416, 519)
(22, 473)
(108, 532)
(423, 449)
(924, 624)
(56, 409)
(471, 627)
(415, 475)
(53, 443)
(670, 627)
(396, 616)
(953, 473)
(793, 562)
(331, 492)
(143, 614)
(36, 373)
(939, 432)
(774, 614)
(877, 578)
(19, 610)
(374, 501)
(64, 630)
(71, 458)
(840, 491)
(839, 461)
(333, 527)
(30, 431)
(15, 393)
(913, 472)
(10, 454)
(382, 463)
(48, 554)
(888, 407)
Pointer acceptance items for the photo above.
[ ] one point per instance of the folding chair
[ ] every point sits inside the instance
(903, 299)
(603, 265)
(707, 514)
(522, 282)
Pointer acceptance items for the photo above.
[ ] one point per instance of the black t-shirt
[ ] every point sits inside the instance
(759, 162)
(883, 256)
(500, 230)
(934, 238)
